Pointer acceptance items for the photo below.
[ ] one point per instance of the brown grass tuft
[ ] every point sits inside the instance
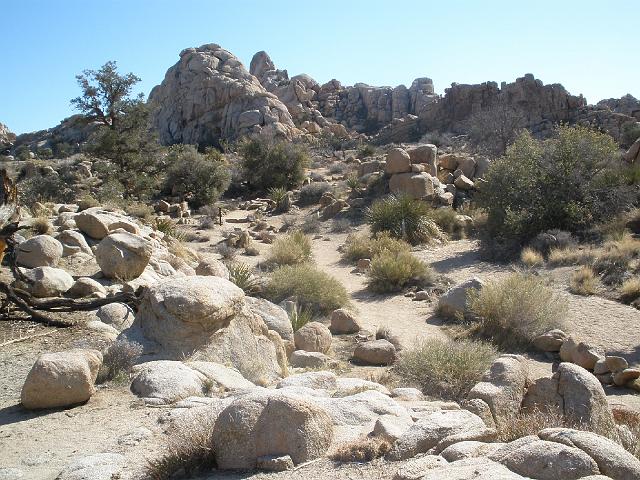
(583, 281)
(531, 258)
(363, 449)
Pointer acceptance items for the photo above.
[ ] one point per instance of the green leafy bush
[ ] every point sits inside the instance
(568, 182)
(391, 271)
(198, 178)
(269, 163)
(403, 217)
(445, 369)
(514, 310)
(291, 249)
(313, 289)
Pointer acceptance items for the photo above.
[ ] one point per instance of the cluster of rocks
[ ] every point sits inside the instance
(7, 137)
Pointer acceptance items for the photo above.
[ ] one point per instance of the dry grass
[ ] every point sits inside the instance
(41, 226)
(117, 360)
(364, 449)
(583, 281)
(180, 250)
(391, 271)
(630, 290)
(292, 249)
(187, 452)
(514, 310)
(571, 256)
(140, 210)
(616, 258)
(361, 246)
(531, 258)
(445, 369)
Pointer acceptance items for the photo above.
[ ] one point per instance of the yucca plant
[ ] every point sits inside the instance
(299, 317)
(240, 274)
(277, 194)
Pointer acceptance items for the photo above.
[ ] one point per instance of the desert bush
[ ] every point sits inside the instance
(403, 217)
(630, 133)
(310, 194)
(546, 241)
(313, 289)
(571, 256)
(568, 182)
(337, 168)
(268, 163)
(48, 188)
(277, 194)
(445, 369)
(361, 246)
(44, 152)
(583, 281)
(514, 310)
(23, 153)
(364, 449)
(615, 257)
(531, 258)
(198, 178)
(391, 271)
(366, 150)
(226, 251)
(493, 129)
(140, 210)
(340, 225)
(630, 289)
(292, 249)
(445, 219)
(242, 276)
(166, 226)
(353, 182)
(117, 360)
(521, 424)
(311, 224)
(41, 226)
(188, 451)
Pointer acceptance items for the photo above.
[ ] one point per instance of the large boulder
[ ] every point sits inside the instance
(98, 223)
(398, 161)
(48, 281)
(343, 321)
(503, 387)
(39, 251)
(123, 256)
(427, 432)
(471, 469)
(61, 379)
(260, 424)
(454, 302)
(209, 95)
(313, 337)
(612, 459)
(415, 185)
(73, 242)
(119, 315)
(272, 315)
(212, 267)
(425, 155)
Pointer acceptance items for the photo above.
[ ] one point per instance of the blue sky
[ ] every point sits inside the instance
(591, 47)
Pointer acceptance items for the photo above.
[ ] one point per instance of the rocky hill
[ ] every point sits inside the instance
(7, 137)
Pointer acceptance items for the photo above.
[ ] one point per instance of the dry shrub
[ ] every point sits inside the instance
(615, 259)
(583, 281)
(571, 256)
(117, 360)
(446, 219)
(292, 249)
(312, 193)
(311, 224)
(41, 226)
(391, 271)
(180, 250)
(187, 452)
(531, 258)
(363, 449)
(226, 251)
(445, 369)
(630, 290)
(513, 311)
(313, 289)
(361, 246)
(523, 423)
(140, 210)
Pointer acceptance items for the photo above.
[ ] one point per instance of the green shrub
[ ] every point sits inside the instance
(445, 369)
(630, 133)
(366, 150)
(403, 217)
(361, 246)
(49, 188)
(312, 288)
(568, 182)
(23, 153)
(446, 220)
(300, 317)
(240, 274)
(291, 249)
(198, 178)
(391, 271)
(310, 194)
(268, 163)
(278, 194)
(514, 310)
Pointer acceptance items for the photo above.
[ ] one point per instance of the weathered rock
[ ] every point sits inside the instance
(415, 185)
(503, 387)
(625, 376)
(586, 356)
(568, 349)
(313, 337)
(416, 468)
(407, 393)
(344, 322)
(472, 469)
(469, 449)
(99, 466)
(463, 183)
(209, 95)
(304, 359)
(427, 432)
(272, 463)
(85, 287)
(425, 155)
(323, 380)
(612, 459)
(259, 425)
(347, 386)
(616, 364)
(98, 223)
(375, 352)
(48, 281)
(39, 251)
(454, 301)
(118, 315)
(391, 427)
(550, 341)
(123, 256)
(212, 267)
(398, 161)
(73, 242)
(61, 379)
(272, 315)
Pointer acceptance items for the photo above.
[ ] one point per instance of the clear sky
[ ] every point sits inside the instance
(591, 47)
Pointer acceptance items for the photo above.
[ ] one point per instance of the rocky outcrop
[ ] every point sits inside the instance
(7, 137)
(71, 131)
(209, 96)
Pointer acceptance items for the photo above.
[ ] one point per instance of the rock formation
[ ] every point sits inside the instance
(7, 137)
(209, 95)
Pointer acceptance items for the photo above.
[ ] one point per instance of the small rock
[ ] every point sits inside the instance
(313, 337)
(375, 352)
(550, 341)
(304, 359)
(343, 321)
